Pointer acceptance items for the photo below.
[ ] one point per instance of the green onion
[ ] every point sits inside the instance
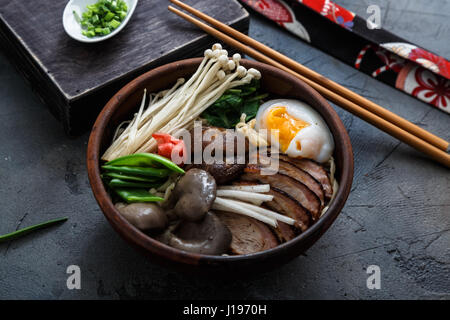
(24, 231)
(145, 160)
(114, 24)
(108, 16)
(129, 177)
(132, 176)
(118, 183)
(102, 17)
(137, 195)
(139, 171)
(77, 17)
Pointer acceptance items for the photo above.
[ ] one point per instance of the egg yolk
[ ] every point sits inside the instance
(288, 126)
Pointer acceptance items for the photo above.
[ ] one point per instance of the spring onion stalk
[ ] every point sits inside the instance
(231, 206)
(260, 188)
(113, 175)
(19, 233)
(244, 195)
(144, 160)
(117, 183)
(265, 212)
(137, 195)
(139, 171)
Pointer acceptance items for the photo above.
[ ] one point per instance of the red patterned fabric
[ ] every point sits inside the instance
(425, 85)
(431, 61)
(331, 11)
(397, 62)
(272, 9)
(436, 90)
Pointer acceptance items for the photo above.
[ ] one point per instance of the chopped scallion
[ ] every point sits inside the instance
(102, 17)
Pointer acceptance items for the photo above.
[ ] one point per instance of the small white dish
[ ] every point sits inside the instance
(73, 28)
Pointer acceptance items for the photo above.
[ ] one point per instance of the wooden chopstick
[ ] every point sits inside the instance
(384, 125)
(325, 82)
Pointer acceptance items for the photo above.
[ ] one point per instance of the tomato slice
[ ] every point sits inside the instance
(168, 147)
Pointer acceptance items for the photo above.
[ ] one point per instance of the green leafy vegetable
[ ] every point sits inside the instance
(24, 231)
(226, 111)
(102, 17)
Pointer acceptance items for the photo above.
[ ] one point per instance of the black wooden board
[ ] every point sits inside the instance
(76, 79)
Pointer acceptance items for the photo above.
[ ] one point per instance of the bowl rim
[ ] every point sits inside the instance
(139, 238)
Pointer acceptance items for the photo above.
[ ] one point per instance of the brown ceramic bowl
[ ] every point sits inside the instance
(275, 81)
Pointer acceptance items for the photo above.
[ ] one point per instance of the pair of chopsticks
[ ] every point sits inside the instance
(398, 127)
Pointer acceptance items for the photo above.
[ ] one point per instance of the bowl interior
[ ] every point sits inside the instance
(122, 106)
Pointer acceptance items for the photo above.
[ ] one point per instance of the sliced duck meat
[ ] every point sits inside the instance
(284, 232)
(284, 204)
(295, 189)
(248, 234)
(222, 173)
(197, 136)
(228, 140)
(287, 166)
(304, 177)
(316, 170)
(232, 160)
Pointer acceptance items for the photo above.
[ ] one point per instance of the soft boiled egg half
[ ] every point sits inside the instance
(295, 129)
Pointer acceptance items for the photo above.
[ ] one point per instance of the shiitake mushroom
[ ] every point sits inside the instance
(209, 236)
(144, 216)
(193, 195)
(196, 229)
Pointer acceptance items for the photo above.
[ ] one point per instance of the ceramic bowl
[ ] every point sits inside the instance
(125, 103)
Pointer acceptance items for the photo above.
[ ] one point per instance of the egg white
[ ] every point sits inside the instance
(316, 140)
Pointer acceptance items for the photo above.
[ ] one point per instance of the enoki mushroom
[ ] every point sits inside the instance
(170, 111)
(248, 130)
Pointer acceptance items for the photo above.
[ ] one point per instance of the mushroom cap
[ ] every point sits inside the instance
(208, 236)
(193, 195)
(144, 216)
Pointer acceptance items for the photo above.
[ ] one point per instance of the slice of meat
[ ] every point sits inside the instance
(303, 177)
(223, 142)
(316, 170)
(288, 185)
(248, 234)
(284, 232)
(207, 135)
(284, 204)
(287, 166)
(222, 173)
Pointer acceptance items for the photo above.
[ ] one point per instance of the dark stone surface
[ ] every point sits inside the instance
(397, 216)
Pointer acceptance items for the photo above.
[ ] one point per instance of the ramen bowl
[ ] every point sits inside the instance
(125, 103)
